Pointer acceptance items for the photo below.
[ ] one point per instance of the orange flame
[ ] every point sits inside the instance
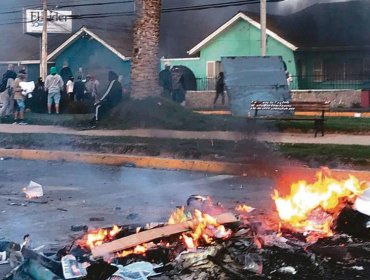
(206, 229)
(97, 238)
(138, 250)
(324, 194)
(244, 208)
(178, 217)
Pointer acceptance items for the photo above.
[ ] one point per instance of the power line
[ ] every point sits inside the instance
(168, 10)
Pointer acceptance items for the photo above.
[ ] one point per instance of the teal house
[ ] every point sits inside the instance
(240, 36)
(325, 46)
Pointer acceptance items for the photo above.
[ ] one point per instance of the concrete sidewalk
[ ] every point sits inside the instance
(275, 137)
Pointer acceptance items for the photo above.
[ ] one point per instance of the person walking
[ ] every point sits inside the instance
(70, 91)
(110, 99)
(6, 92)
(220, 89)
(54, 85)
(79, 89)
(165, 80)
(19, 98)
(178, 86)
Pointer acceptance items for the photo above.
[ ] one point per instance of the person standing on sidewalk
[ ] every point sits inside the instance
(6, 92)
(20, 105)
(220, 88)
(70, 91)
(54, 85)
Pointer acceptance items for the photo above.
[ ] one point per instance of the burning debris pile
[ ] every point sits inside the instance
(322, 232)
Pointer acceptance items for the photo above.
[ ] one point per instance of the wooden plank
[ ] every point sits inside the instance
(150, 235)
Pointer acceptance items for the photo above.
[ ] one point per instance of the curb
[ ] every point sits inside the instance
(176, 164)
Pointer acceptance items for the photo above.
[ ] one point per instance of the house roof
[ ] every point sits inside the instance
(115, 41)
(231, 22)
(334, 26)
(28, 46)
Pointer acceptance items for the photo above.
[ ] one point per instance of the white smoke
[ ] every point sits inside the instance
(292, 6)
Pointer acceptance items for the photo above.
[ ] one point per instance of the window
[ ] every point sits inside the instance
(213, 68)
(317, 70)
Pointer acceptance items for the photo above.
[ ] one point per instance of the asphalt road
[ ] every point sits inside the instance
(88, 191)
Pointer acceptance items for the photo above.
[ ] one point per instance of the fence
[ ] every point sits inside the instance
(330, 82)
(319, 82)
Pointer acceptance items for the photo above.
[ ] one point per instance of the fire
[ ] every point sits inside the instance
(115, 230)
(206, 229)
(244, 208)
(98, 238)
(178, 217)
(138, 250)
(305, 205)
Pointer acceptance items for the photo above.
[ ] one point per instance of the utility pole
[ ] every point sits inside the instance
(44, 47)
(263, 27)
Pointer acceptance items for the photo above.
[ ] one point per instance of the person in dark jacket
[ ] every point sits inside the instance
(110, 99)
(220, 88)
(79, 89)
(165, 80)
(178, 86)
(39, 97)
(65, 73)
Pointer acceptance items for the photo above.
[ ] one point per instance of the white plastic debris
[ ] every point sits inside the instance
(3, 258)
(135, 271)
(358, 267)
(71, 268)
(33, 190)
(27, 87)
(362, 203)
(287, 270)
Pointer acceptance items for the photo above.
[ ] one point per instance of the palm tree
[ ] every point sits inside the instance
(145, 60)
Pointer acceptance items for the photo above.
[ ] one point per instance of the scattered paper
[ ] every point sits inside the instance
(362, 203)
(71, 268)
(33, 190)
(287, 270)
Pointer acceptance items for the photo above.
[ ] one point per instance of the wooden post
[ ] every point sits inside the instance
(44, 47)
(263, 27)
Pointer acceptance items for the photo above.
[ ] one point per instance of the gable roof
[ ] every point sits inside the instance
(326, 26)
(115, 42)
(231, 22)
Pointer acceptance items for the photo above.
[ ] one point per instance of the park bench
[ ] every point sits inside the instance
(291, 107)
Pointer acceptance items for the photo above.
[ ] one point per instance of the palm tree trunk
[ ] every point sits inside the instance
(145, 60)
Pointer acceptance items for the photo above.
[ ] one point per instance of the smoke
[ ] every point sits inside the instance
(292, 6)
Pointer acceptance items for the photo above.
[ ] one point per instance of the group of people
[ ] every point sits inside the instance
(15, 100)
(11, 94)
(173, 83)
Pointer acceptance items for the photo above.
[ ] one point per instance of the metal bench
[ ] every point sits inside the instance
(293, 106)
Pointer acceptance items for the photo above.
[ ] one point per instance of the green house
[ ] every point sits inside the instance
(326, 46)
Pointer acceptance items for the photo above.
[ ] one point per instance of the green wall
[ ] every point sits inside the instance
(241, 39)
